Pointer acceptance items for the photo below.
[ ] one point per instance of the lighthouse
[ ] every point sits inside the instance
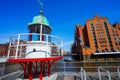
(37, 50)
(39, 44)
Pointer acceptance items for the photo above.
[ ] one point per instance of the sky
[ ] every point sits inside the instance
(63, 15)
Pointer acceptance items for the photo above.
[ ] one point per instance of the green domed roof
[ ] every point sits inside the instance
(40, 19)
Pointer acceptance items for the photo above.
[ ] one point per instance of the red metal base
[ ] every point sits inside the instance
(33, 67)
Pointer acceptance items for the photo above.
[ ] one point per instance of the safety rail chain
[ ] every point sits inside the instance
(83, 74)
(99, 73)
(118, 70)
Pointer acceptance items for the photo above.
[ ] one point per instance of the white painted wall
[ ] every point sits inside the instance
(42, 49)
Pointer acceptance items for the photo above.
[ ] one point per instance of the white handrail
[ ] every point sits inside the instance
(99, 73)
(22, 34)
(16, 53)
(15, 43)
(83, 74)
(118, 71)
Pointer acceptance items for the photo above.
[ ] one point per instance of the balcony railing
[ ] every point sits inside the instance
(18, 44)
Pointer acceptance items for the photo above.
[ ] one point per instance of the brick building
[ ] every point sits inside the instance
(3, 49)
(97, 36)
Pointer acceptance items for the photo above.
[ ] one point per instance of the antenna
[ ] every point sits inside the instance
(41, 4)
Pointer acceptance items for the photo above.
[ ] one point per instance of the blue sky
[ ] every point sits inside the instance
(63, 15)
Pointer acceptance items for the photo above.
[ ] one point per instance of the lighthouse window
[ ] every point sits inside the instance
(35, 37)
(46, 30)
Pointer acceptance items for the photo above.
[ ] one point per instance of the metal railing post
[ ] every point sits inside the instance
(83, 74)
(16, 54)
(8, 55)
(64, 66)
(109, 78)
(108, 73)
(99, 74)
(47, 38)
(61, 47)
(41, 32)
(20, 50)
(118, 71)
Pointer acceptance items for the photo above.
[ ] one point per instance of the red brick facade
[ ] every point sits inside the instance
(3, 49)
(97, 36)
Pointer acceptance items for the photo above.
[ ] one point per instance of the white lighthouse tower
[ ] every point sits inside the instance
(39, 44)
(37, 50)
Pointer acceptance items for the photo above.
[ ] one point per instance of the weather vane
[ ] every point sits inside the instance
(41, 4)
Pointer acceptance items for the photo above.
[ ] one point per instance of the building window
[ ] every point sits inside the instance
(92, 25)
(103, 51)
(115, 39)
(106, 50)
(80, 39)
(98, 26)
(113, 34)
(105, 24)
(92, 29)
